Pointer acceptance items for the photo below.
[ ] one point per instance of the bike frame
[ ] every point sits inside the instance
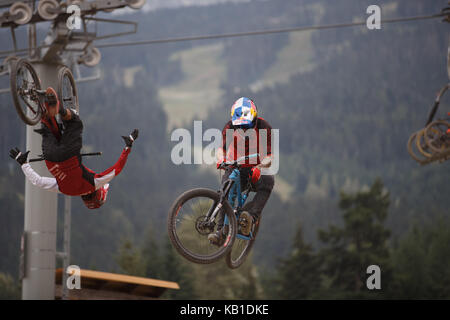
(236, 196)
(229, 191)
(233, 191)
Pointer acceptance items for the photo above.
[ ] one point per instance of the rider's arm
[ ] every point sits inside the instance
(46, 183)
(106, 176)
(266, 161)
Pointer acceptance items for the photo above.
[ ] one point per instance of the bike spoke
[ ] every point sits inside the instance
(187, 217)
(23, 86)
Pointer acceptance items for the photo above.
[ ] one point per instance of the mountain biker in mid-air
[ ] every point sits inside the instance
(244, 116)
(63, 160)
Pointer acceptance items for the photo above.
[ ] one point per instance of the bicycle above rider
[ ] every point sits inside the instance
(243, 135)
(63, 159)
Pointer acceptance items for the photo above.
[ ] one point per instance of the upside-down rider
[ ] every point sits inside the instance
(63, 159)
(244, 115)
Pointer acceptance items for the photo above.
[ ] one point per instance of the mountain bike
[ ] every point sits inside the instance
(28, 95)
(238, 197)
(29, 98)
(432, 143)
(198, 212)
(436, 133)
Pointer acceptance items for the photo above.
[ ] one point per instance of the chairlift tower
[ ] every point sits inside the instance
(56, 60)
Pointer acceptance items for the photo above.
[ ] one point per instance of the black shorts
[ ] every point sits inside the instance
(70, 143)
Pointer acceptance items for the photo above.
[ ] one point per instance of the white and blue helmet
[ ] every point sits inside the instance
(243, 112)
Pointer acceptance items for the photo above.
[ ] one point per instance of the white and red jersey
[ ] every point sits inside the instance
(72, 178)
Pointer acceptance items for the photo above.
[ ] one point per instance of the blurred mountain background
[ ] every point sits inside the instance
(345, 101)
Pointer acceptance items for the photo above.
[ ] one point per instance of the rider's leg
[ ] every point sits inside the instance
(263, 189)
(70, 143)
(51, 104)
(50, 144)
(52, 111)
(66, 114)
(248, 218)
(71, 139)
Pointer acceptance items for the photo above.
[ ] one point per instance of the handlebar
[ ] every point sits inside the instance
(235, 163)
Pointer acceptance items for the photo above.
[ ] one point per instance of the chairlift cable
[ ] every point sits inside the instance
(243, 34)
(262, 32)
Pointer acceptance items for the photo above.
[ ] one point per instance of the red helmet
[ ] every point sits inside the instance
(96, 199)
(255, 174)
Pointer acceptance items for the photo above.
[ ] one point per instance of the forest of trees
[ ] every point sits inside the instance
(337, 269)
(357, 197)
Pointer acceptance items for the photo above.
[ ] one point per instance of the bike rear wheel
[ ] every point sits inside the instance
(23, 80)
(241, 247)
(67, 89)
(188, 228)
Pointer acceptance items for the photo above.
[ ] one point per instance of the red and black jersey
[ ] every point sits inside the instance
(238, 142)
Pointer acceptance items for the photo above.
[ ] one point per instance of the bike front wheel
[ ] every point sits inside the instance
(23, 81)
(189, 225)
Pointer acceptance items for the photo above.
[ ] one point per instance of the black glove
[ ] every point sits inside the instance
(130, 139)
(20, 157)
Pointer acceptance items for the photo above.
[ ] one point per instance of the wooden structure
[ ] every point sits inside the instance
(96, 285)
